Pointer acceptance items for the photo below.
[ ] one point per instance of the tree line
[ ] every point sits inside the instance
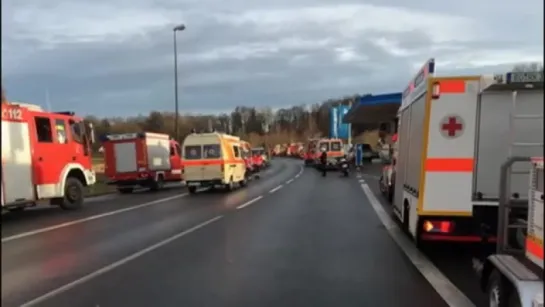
(256, 125)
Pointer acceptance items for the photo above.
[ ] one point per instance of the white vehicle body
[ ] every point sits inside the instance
(453, 137)
(213, 159)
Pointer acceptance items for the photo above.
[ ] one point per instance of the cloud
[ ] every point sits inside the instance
(115, 57)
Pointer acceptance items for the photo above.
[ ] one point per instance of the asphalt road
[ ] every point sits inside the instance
(289, 239)
(453, 260)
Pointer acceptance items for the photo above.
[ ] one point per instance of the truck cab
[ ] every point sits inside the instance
(45, 156)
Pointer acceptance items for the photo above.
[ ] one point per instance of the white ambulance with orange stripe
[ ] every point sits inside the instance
(454, 134)
(213, 159)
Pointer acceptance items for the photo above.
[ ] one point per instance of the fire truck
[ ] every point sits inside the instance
(454, 134)
(513, 276)
(45, 156)
(141, 159)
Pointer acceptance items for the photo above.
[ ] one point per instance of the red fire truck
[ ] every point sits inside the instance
(45, 156)
(141, 159)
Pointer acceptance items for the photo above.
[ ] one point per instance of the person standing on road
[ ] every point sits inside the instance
(323, 161)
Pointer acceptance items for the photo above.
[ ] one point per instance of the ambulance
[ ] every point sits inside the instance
(45, 156)
(143, 159)
(454, 133)
(334, 149)
(213, 159)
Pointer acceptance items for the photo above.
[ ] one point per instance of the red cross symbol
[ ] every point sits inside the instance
(452, 126)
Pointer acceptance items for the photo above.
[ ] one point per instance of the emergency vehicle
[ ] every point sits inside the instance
(334, 149)
(213, 159)
(260, 156)
(141, 160)
(246, 152)
(454, 133)
(45, 156)
(311, 153)
(514, 275)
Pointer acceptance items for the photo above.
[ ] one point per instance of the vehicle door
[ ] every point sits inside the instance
(213, 162)
(237, 165)
(52, 152)
(175, 160)
(192, 164)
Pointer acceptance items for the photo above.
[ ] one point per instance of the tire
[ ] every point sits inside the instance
(74, 194)
(158, 184)
(125, 190)
(244, 181)
(192, 190)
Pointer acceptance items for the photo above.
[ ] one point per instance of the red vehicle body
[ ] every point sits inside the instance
(141, 159)
(247, 156)
(45, 155)
(257, 161)
(311, 152)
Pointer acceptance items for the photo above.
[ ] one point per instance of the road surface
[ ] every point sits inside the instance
(292, 238)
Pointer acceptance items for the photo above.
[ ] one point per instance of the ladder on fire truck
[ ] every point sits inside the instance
(512, 223)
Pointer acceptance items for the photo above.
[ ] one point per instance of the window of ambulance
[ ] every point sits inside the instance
(336, 146)
(192, 152)
(212, 151)
(324, 146)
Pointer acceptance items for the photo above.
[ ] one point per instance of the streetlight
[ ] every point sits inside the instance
(180, 27)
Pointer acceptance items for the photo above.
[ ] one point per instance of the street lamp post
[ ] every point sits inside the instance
(180, 27)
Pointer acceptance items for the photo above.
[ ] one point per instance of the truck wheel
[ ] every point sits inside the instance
(125, 190)
(73, 194)
(244, 181)
(192, 190)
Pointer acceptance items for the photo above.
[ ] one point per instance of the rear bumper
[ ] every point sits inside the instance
(204, 183)
(481, 227)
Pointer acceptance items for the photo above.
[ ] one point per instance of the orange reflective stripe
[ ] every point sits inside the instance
(452, 86)
(210, 162)
(449, 165)
(534, 248)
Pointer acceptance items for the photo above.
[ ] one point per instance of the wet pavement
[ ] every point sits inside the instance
(312, 242)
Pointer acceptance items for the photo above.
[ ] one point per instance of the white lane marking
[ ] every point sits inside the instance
(289, 181)
(444, 287)
(276, 189)
(116, 264)
(361, 181)
(246, 204)
(90, 218)
(358, 176)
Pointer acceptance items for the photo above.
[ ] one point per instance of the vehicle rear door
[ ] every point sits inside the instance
(213, 162)
(125, 155)
(193, 166)
(175, 160)
(17, 183)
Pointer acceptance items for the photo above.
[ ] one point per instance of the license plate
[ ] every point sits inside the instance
(194, 184)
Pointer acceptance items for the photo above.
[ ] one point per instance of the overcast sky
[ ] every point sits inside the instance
(115, 57)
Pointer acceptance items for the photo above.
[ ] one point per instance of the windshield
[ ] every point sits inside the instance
(336, 146)
(324, 146)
